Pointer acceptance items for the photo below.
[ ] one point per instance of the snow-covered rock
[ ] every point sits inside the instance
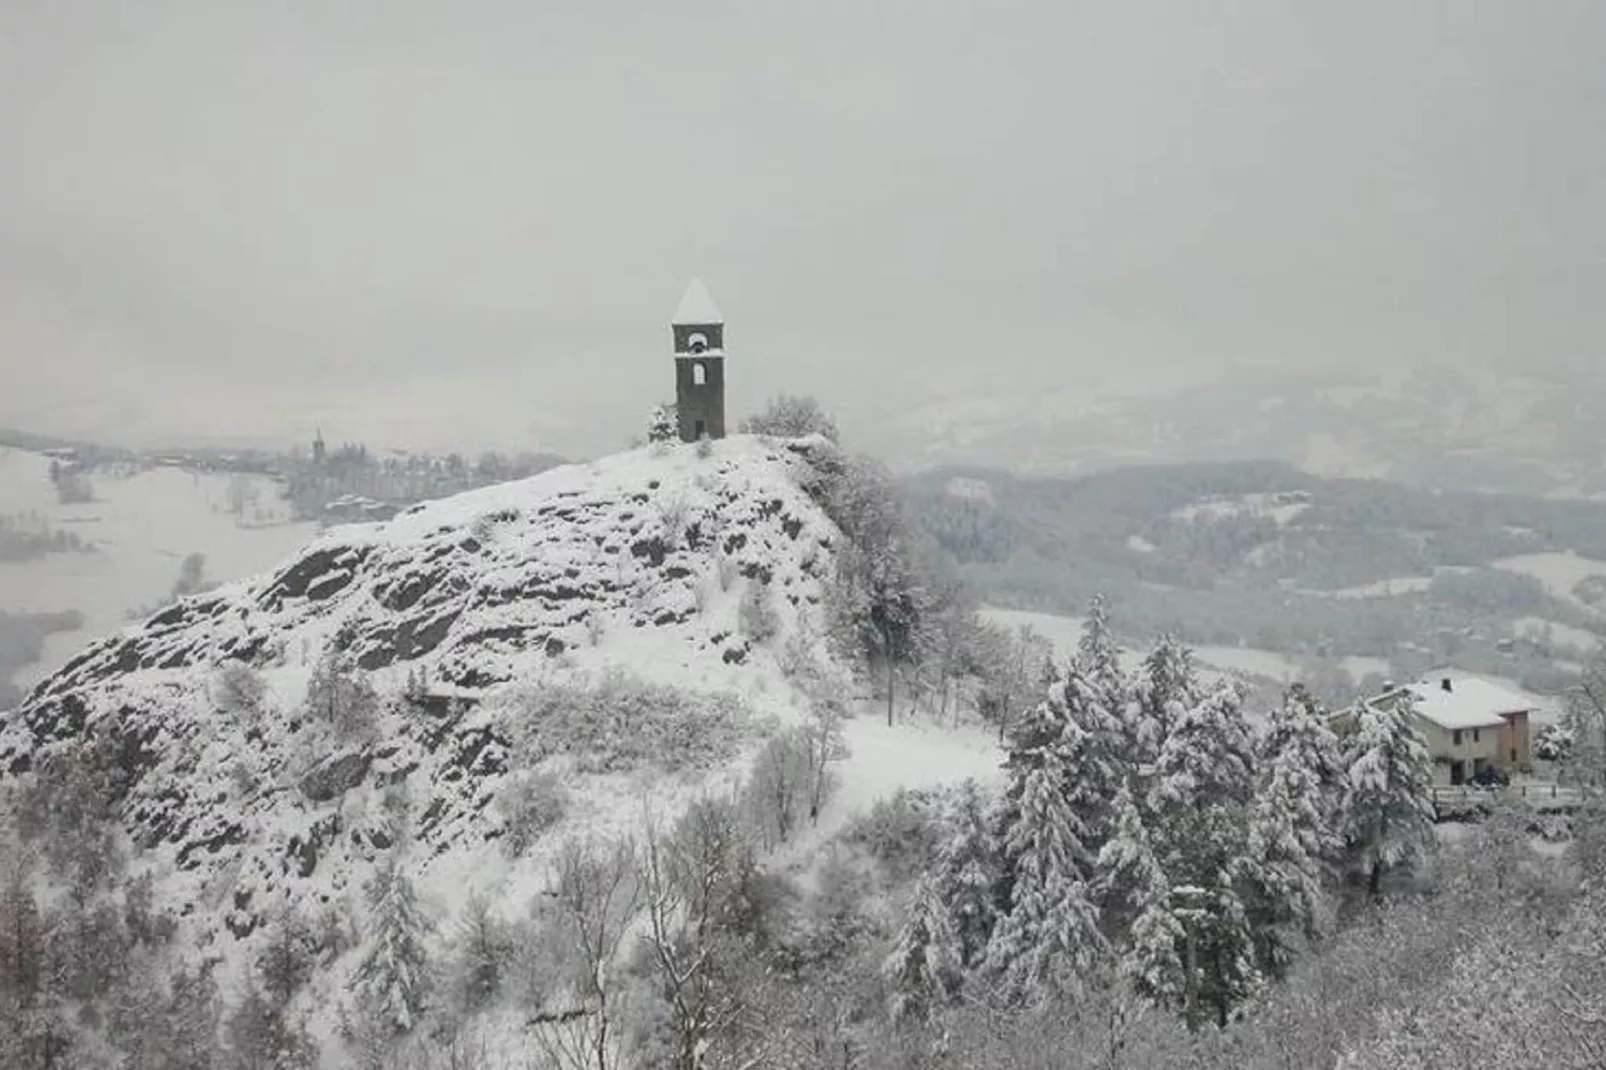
(638, 562)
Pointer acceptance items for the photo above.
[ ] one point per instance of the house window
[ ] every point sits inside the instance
(1475, 732)
(1455, 738)
(1513, 755)
(699, 374)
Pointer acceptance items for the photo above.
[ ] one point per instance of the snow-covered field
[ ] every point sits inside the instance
(1535, 627)
(142, 527)
(1559, 572)
(1065, 632)
(1377, 588)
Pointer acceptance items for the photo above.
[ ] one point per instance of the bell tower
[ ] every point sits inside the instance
(699, 334)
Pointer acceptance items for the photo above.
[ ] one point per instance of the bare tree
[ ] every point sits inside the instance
(593, 898)
(691, 880)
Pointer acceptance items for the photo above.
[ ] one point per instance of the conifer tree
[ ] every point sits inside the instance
(660, 426)
(1203, 787)
(392, 973)
(1098, 657)
(483, 952)
(1050, 939)
(1301, 731)
(1293, 836)
(1138, 904)
(924, 968)
(1169, 683)
(1063, 774)
(968, 881)
(1389, 805)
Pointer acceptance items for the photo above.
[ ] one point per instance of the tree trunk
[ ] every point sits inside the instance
(891, 680)
(1190, 996)
(1375, 882)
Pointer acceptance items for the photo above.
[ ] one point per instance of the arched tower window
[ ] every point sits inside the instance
(699, 374)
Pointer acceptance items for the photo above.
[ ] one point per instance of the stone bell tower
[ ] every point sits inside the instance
(699, 333)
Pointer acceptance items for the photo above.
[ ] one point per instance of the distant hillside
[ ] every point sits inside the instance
(1437, 427)
(1264, 555)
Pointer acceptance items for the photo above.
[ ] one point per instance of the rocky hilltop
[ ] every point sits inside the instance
(650, 563)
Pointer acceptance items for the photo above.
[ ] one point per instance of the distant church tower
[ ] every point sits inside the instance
(699, 332)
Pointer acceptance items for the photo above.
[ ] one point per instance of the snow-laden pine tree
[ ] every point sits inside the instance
(1294, 835)
(1388, 810)
(1167, 686)
(923, 971)
(1302, 729)
(660, 425)
(1063, 776)
(1135, 898)
(393, 973)
(1050, 940)
(1200, 802)
(1098, 657)
(966, 873)
(1287, 878)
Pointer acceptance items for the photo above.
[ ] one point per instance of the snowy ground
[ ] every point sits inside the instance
(1560, 633)
(142, 527)
(1558, 572)
(1064, 633)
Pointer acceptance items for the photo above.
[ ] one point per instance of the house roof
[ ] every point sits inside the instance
(697, 307)
(1471, 701)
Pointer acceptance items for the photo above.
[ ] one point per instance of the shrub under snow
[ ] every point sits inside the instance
(531, 804)
(621, 723)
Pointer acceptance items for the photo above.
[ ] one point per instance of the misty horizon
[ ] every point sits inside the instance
(468, 229)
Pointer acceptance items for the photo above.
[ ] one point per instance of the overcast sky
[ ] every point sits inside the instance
(466, 223)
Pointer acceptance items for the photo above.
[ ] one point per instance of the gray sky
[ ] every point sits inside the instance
(465, 224)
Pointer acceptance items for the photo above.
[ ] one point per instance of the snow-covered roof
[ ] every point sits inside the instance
(1470, 702)
(697, 306)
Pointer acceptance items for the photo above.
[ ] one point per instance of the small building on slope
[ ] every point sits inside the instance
(1474, 725)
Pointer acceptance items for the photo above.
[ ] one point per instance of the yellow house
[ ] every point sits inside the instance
(1472, 724)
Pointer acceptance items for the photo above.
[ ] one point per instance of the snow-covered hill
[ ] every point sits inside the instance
(639, 564)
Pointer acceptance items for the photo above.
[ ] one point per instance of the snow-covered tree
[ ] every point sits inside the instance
(1062, 780)
(1098, 658)
(923, 970)
(1200, 801)
(791, 416)
(343, 697)
(966, 874)
(287, 962)
(1050, 940)
(484, 949)
(393, 972)
(1388, 810)
(661, 425)
(875, 599)
(1167, 686)
(1294, 834)
(1299, 732)
(258, 1036)
(1135, 898)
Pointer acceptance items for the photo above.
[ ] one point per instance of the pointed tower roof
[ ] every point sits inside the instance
(697, 307)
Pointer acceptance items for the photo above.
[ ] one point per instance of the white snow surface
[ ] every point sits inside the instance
(142, 526)
(697, 306)
(1558, 572)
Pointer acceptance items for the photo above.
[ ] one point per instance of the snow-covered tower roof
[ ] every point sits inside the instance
(697, 308)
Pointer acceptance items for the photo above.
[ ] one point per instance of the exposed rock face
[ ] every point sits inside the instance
(637, 561)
